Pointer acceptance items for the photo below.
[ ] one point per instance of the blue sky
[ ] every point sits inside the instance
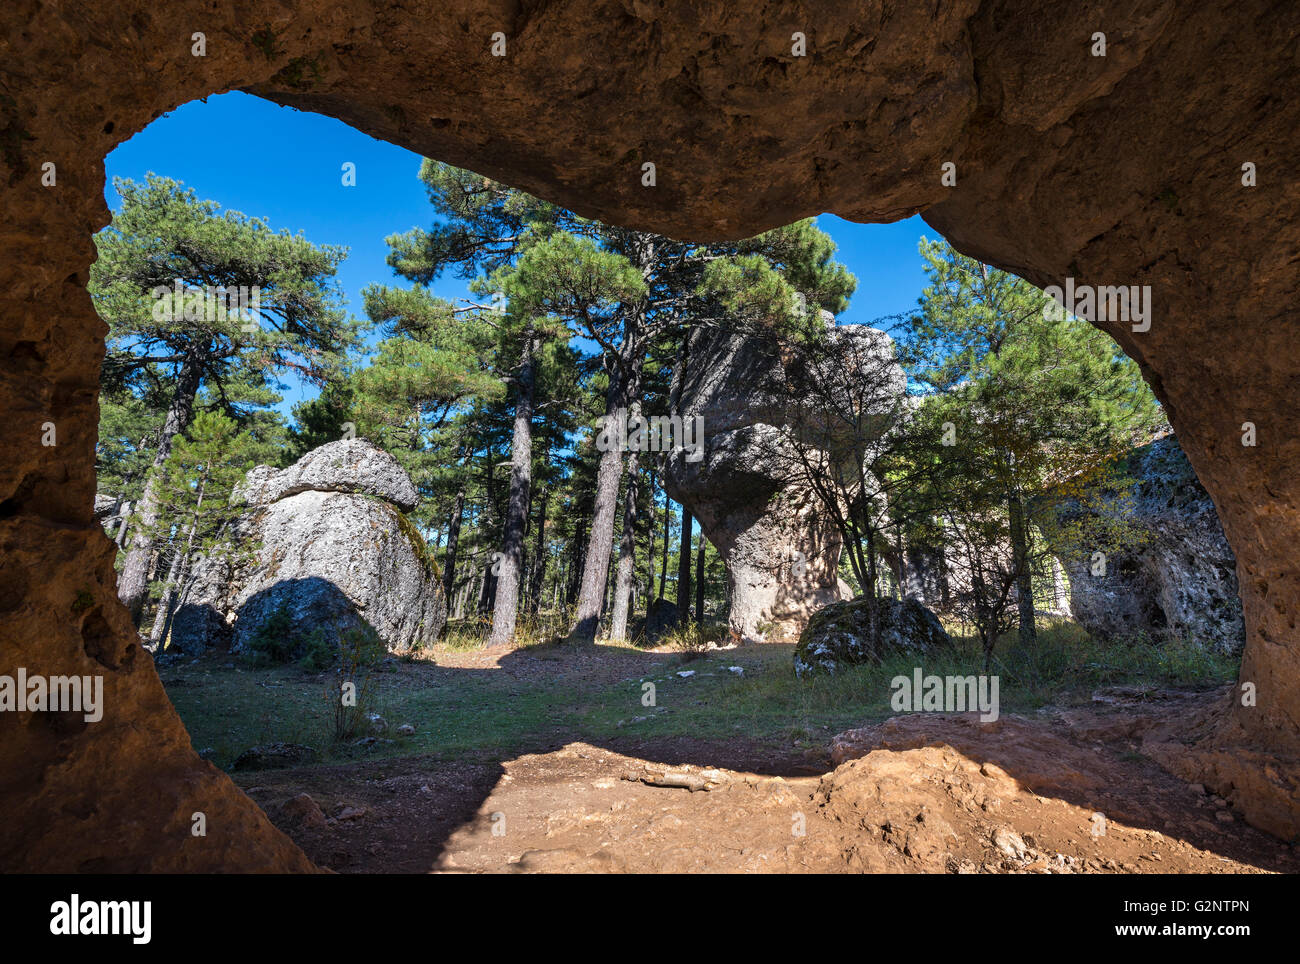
(291, 174)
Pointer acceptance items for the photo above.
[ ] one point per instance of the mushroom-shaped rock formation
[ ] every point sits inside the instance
(326, 543)
(781, 549)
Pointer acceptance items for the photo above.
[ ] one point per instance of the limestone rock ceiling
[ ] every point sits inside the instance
(1122, 169)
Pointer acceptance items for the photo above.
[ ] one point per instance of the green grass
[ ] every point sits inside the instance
(463, 711)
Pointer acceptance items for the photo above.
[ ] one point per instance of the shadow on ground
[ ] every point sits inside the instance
(522, 759)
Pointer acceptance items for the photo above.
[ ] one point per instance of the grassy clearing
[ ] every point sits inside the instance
(541, 694)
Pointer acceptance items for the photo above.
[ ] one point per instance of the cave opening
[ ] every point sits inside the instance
(1178, 218)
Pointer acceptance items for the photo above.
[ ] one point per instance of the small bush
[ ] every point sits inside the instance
(359, 650)
(319, 651)
(276, 640)
(694, 640)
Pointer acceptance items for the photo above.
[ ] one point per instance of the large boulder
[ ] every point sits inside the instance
(840, 634)
(324, 543)
(781, 549)
(1181, 578)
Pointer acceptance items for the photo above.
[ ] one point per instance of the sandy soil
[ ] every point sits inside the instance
(1063, 792)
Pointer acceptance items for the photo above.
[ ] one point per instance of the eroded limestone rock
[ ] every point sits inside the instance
(781, 549)
(322, 543)
(1181, 578)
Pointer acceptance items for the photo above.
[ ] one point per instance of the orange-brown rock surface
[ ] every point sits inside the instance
(1122, 169)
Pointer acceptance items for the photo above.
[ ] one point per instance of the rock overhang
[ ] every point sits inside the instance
(1118, 169)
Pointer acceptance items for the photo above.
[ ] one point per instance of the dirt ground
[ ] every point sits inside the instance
(1062, 792)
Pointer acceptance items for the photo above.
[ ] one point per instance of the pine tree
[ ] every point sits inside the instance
(1033, 398)
(195, 485)
(206, 300)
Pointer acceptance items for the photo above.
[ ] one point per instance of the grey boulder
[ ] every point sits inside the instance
(333, 557)
(841, 634)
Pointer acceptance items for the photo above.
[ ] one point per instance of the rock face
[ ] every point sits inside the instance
(1067, 165)
(1181, 580)
(781, 550)
(840, 635)
(330, 547)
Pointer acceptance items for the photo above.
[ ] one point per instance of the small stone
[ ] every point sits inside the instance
(406, 729)
(686, 673)
(1223, 816)
(1009, 843)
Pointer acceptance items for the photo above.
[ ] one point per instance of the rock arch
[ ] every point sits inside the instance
(1122, 169)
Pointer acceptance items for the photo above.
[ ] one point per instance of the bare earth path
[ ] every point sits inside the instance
(1064, 791)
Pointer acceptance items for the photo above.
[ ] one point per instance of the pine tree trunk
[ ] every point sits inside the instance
(873, 601)
(165, 603)
(577, 563)
(600, 543)
(133, 583)
(480, 590)
(650, 553)
(699, 581)
(626, 549)
(538, 578)
(663, 565)
(180, 564)
(684, 570)
(453, 538)
(120, 538)
(1024, 579)
(509, 577)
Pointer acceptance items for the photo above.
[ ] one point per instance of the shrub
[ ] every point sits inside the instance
(319, 651)
(276, 640)
(359, 649)
(694, 640)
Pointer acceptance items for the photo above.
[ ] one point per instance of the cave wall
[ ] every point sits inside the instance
(1122, 169)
